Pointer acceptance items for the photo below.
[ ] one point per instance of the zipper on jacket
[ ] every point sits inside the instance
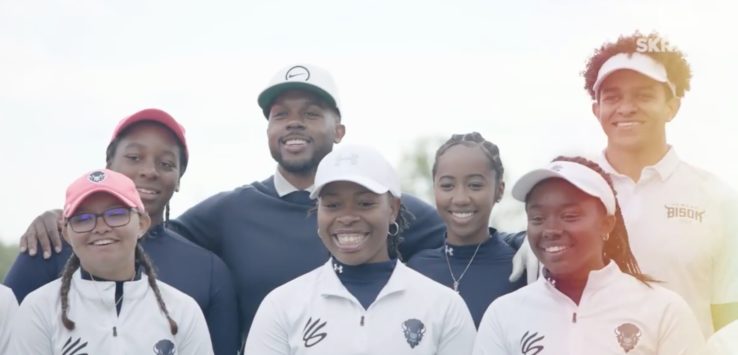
(361, 322)
(115, 332)
(574, 317)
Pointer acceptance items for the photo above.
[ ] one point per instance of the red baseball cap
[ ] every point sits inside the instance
(154, 115)
(102, 180)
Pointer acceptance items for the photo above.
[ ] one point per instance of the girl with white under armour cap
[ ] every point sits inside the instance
(363, 300)
(592, 298)
(107, 300)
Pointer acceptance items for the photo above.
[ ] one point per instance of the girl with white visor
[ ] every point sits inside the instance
(592, 297)
(362, 300)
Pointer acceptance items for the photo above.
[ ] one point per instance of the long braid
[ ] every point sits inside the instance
(151, 274)
(70, 267)
(617, 245)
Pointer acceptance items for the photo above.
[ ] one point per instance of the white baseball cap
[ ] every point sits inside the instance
(637, 62)
(584, 178)
(359, 164)
(301, 77)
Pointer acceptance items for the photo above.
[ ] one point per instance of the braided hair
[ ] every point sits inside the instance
(617, 246)
(474, 139)
(142, 258)
(404, 219)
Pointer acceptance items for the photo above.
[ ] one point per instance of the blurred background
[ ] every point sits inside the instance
(410, 74)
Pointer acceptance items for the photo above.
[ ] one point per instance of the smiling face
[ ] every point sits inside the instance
(148, 154)
(105, 251)
(353, 222)
(302, 130)
(465, 188)
(633, 111)
(566, 228)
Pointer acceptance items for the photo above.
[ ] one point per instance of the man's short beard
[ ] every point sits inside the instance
(299, 167)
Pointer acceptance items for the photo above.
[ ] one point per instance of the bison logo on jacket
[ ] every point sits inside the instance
(164, 347)
(414, 330)
(628, 335)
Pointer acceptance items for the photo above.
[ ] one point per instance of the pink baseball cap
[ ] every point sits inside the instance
(154, 115)
(102, 180)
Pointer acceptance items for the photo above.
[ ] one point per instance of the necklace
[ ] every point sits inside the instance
(448, 263)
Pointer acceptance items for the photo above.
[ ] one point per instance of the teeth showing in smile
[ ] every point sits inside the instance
(146, 191)
(346, 240)
(462, 214)
(555, 248)
(295, 142)
(627, 124)
(102, 242)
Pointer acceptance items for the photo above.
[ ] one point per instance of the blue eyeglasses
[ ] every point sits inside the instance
(114, 217)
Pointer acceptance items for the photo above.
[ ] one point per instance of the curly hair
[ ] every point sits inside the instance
(677, 68)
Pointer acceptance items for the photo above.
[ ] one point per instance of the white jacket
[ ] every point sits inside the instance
(617, 314)
(316, 314)
(724, 341)
(141, 327)
(8, 307)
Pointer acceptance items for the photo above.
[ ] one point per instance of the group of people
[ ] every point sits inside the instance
(329, 256)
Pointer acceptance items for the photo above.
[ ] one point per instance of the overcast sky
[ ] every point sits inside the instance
(70, 70)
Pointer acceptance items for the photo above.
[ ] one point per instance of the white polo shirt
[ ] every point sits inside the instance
(141, 327)
(683, 228)
(617, 314)
(316, 314)
(724, 341)
(8, 307)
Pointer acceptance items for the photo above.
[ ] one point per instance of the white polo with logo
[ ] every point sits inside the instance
(683, 228)
(140, 328)
(316, 314)
(617, 314)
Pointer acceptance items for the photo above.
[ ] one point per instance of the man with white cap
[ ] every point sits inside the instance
(682, 219)
(264, 231)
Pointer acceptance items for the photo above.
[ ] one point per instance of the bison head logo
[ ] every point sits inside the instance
(628, 335)
(414, 330)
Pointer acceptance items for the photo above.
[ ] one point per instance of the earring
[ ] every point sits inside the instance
(397, 229)
(606, 237)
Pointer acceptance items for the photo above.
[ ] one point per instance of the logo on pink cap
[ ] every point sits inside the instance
(104, 180)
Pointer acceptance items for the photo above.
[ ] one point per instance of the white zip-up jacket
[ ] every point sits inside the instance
(141, 328)
(8, 307)
(316, 314)
(617, 314)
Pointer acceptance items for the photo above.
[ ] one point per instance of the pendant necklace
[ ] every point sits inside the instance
(448, 263)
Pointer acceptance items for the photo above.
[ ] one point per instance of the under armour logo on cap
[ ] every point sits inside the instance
(557, 167)
(351, 158)
(298, 72)
(96, 176)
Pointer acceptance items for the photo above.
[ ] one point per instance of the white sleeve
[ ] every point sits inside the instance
(31, 331)
(679, 332)
(490, 337)
(193, 337)
(458, 331)
(725, 341)
(725, 265)
(268, 334)
(8, 307)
